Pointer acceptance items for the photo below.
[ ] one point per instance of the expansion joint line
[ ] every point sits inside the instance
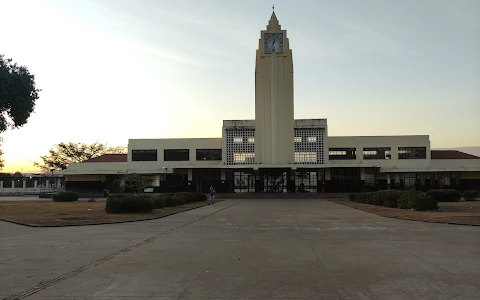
(318, 258)
(214, 257)
(45, 284)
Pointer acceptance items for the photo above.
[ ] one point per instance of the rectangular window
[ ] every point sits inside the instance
(144, 155)
(176, 155)
(251, 140)
(297, 139)
(312, 139)
(412, 152)
(305, 157)
(342, 153)
(238, 140)
(377, 153)
(209, 154)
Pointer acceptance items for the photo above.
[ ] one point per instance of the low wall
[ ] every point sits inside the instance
(26, 191)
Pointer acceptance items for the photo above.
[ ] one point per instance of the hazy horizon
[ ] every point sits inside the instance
(113, 70)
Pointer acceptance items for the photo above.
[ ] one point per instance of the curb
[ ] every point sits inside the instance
(103, 223)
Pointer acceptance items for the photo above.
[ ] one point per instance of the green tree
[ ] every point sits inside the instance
(135, 183)
(63, 154)
(17, 94)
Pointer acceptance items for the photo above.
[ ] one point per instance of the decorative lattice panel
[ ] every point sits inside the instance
(240, 146)
(309, 145)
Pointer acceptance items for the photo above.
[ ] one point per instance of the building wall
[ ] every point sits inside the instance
(235, 153)
(85, 177)
(92, 168)
(394, 142)
(162, 144)
(305, 148)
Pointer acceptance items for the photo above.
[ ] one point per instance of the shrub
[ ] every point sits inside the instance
(181, 199)
(159, 201)
(398, 199)
(120, 204)
(445, 195)
(471, 195)
(199, 197)
(352, 197)
(67, 196)
(421, 202)
(184, 197)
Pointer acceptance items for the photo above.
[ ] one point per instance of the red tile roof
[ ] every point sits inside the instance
(452, 154)
(109, 158)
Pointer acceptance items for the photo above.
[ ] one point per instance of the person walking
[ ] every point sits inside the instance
(212, 195)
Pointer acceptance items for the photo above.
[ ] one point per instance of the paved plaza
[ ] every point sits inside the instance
(244, 249)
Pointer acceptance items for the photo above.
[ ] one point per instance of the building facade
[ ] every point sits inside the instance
(276, 153)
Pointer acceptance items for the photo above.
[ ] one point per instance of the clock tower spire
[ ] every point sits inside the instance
(274, 116)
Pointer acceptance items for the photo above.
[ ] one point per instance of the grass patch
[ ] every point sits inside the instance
(37, 213)
(464, 213)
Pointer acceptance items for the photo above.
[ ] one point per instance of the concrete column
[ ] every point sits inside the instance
(223, 174)
(13, 184)
(59, 182)
(1, 184)
(394, 152)
(24, 184)
(156, 180)
(35, 184)
(47, 183)
(327, 174)
(190, 175)
(359, 152)
(389, 181)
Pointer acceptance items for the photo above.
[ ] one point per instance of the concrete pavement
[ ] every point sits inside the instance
(244, 249)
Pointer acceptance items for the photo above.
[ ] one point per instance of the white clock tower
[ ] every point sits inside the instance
(274, 118)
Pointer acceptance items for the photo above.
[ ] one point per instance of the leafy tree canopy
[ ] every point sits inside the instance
(17, 94)
(63, 154)
(135, 183)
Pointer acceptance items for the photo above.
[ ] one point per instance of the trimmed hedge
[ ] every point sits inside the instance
(397, 199)
(121, 204)
(67, 196)
(126, 203)
(471, 195)
(446, 195)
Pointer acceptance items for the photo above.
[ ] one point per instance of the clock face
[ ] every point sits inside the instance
(273, 42)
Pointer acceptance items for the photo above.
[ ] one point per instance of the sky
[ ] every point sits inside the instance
(111, 70)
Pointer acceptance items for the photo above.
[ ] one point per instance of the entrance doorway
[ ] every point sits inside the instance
(274, 180)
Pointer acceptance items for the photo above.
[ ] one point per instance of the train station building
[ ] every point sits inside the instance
(277, 153)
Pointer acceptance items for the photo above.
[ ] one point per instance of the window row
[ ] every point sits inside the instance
(377, 153)
(296, 139)
(177, 155)
(240, 139)
(305, 139)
